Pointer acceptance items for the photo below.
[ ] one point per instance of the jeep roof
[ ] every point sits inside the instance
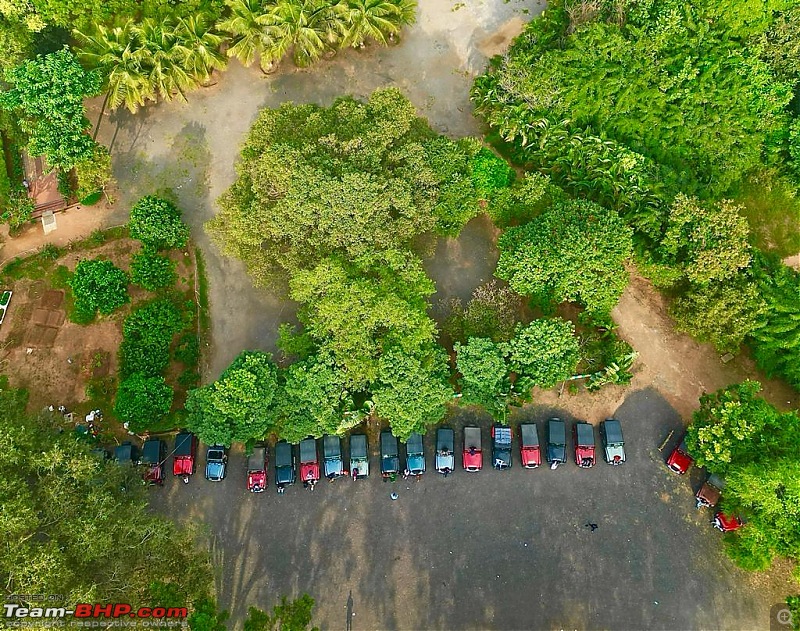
(415, 452)
(584, 444)
(332, 454)
(390, 460)
(556, 441)
(613, 442)
(284, 463)
(501, 447)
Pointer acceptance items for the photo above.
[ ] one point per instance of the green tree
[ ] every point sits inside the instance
(98, 285)
(152, 271)
(245, 28)
(543, 353)
(574, 251)
(484, 377)
(67, 515)
(734, 426)
(306, 28)
(93, 174)
(143, 401)
(707, 241)
(207, 616)
(491, 312)
(198, 46)
(289, 615)
(720, 313)
(412, 390)
(239, 406)
(47, 94)
(157, 223)
(147, 334)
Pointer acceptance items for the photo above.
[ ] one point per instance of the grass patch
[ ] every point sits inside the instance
(772, 209)
(202, 296)
(35, 267)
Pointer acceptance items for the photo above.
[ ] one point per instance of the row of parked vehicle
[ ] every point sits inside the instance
(709, 494)
(332, 464)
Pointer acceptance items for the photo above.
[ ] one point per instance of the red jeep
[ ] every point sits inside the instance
(472, 458)
(309, 461)
(257, 470)
(584, 444)
(727, 523)
(530, 452)
(679, 460)
(183, 455)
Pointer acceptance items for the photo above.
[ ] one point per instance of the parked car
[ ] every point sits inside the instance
(216, 463)
(154, 453)
(390, 456)
(530, 453)
(285, 467)
(501, 447)
(727, 523)
(556, 442)
(359, 456)
(613, 443)
(257, 470)
(584, 444)
(709, 494)
(184, 455)
(126, 453)
(332, 456)
(679, 460)
(472, 457)
(309, 461)
(445, 444)
(415, 454)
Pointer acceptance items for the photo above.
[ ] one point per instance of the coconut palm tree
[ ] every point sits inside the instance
(247, 34)
(375, 20)
(117, 54)
(163, 59)
(306, 27)
(198, 47)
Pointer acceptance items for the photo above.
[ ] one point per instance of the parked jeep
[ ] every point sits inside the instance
(556, 442)
(530, 453)
(613, 443)
(126, 453)
(257, 470)
(309, 461)
(415, 454)
(679, 460)
(285, 468)
(584, 444)
(359, 456)
(154, 453)
(472, 456)
(445, 444)
(184, 455)
(332, 456)
(390, 456)
(709, 494)
(216, 463)
(501, 447)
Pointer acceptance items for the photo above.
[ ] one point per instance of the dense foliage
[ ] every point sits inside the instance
(484, 374)
(287, 616)
(97, 285)
(680, 117)
(543, 353)
(737, 433)
(143, 401)
(574, 251)
(47, 95)
(239, 406)
(147, 335)
(157, 224)
(79, 526)
(152, 271)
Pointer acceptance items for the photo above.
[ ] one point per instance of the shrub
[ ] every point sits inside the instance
(17, 210)
(157, 223)
(98, 285)
(143, 401)
(188, 349)
(489, 173)
(152, 271)
(146, 338)
(93, 174)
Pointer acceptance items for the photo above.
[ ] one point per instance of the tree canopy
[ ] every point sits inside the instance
(574, 250)
(47, 94)
(157, 223)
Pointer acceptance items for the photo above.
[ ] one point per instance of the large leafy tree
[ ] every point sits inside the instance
(735, 426)
(47, 94)
(412, 390)
(484, 374)
(143, 401)
(574, 251)
(349, 180)
(240, 405)
(78, 526)
(543, 353)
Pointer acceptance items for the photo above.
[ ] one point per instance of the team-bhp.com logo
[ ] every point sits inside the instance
(87, 610)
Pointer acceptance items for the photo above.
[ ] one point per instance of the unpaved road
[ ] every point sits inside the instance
(191, 147)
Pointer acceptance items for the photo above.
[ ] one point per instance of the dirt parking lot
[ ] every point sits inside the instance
(496, 550)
